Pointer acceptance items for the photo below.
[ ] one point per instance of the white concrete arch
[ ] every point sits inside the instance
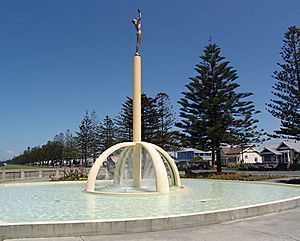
(173, 167)
(90, 187)
(161, 177)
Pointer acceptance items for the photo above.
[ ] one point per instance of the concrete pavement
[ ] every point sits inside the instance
(284, 226)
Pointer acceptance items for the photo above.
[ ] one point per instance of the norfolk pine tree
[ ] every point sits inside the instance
(85, 137)
(212, 112)
(124, 122)
(107, 133)
(149, 119)
(165, 134)
(150, 122)
(286, 104)
(157, 120)
(70, 149)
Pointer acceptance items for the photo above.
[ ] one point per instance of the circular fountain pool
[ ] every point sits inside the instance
(38, 202)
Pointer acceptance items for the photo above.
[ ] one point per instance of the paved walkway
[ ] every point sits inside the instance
(284, 226)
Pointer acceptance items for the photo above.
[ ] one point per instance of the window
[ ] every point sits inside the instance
(246, 157)
(185, 155)
(269, 158)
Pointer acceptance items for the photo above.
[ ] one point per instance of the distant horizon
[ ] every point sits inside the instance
(59, 59)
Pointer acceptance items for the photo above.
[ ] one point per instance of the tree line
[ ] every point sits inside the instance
(213, 112)
(94, 136)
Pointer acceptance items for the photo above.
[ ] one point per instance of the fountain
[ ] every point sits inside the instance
(39, 210)
(158, 156)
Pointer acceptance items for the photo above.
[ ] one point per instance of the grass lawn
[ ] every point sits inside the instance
(17, 167)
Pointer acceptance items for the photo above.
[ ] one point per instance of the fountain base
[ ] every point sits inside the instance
(160, 160)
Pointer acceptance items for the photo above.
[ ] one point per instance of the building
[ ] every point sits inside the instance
(238, 155)
(188, 154)
(250, 155)
(230, 155)
(284, 152)
(270, 155)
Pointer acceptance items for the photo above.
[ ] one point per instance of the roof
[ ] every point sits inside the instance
(194, 150)
(251, 149)
(271, 149)
(232, 150)
(295, 145)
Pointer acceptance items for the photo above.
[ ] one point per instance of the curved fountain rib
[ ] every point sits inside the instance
(171, 164)
(90, 187)
(119, 165)
(162, 182)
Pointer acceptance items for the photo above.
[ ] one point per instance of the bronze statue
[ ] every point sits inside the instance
(137, 24)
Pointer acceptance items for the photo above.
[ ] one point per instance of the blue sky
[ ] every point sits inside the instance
(59, 58)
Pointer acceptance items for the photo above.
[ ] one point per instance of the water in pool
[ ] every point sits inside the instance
(68, 201)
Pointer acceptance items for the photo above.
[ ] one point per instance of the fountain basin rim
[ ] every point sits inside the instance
(133, 225)
(297, 198)
(282, 201)
(43, 229)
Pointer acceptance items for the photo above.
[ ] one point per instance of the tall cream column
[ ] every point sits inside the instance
(137, 168)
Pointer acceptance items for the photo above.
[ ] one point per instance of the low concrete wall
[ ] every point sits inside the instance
(43, 174)
(98, 227)
(28, 174)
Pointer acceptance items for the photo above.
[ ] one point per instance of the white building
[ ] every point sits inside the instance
(238, 155)
(249, 156)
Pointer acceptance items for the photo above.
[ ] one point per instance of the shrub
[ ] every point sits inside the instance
(78, 174)
(295, 166)
(182, 166)
(198, 159)
(281, 167)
